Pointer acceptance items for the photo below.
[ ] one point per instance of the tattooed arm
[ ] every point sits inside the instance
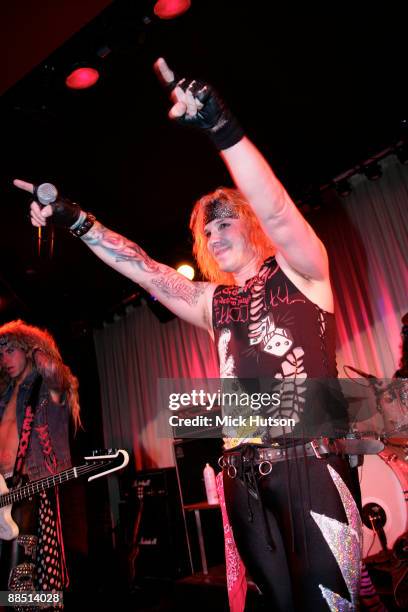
(188, 300)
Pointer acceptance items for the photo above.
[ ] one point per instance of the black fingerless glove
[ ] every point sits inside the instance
(214, 118)
(69, 215)
(65, 213)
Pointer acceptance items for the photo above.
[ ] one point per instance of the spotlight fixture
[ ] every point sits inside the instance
(82, 77)
(186, 270)
(169, 9)
(373, 171)
(343, 187)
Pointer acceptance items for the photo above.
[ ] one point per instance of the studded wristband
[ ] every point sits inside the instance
(84, 227)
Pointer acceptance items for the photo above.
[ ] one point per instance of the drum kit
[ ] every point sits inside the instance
(384, 476)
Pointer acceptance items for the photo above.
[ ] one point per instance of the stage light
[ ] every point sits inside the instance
(169, 9)
(373, 171)
(186, 270)
(82, 78)
(342, 187)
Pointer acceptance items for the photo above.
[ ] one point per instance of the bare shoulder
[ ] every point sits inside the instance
(317, 291)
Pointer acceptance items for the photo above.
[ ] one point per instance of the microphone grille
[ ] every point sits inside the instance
(46, 193)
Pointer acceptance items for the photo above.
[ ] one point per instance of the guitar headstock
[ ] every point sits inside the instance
(104, 452)
(108, 457)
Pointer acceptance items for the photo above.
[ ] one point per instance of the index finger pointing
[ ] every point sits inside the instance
(163, 71)
(23, 185)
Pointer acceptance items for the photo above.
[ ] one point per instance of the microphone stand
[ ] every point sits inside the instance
(375, 385)
(45, 238)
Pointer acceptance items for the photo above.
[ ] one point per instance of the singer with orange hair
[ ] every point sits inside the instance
(290, 496)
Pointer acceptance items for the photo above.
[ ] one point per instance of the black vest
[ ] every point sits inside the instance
(270, 336)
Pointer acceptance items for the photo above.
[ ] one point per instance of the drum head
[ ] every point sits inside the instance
(382, 479)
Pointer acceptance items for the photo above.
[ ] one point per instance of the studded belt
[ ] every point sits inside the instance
(264, 457)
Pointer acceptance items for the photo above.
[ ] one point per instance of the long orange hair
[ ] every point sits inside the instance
(29, 339)
(258, 240)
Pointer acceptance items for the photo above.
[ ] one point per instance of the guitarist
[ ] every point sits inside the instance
(38, 394)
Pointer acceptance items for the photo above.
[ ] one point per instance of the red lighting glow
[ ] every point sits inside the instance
(168, 9)
(82, 78)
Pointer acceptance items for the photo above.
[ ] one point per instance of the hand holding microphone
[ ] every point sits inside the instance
(39, 214)
(48, 203)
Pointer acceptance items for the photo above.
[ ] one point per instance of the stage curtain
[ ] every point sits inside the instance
(366, 236)
(132, 354)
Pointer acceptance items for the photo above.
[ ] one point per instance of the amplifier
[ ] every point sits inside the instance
(153, 526)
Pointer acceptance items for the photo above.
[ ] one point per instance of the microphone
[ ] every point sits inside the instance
(361, 373)
(45, 194)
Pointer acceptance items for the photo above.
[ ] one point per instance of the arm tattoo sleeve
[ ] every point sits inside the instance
(120, 248)
(174, 285)
(169, 283)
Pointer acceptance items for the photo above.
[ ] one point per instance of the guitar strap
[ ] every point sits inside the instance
(26, 428)
(51, 566)
(22, 574)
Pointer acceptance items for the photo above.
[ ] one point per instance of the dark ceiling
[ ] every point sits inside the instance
(318, 90)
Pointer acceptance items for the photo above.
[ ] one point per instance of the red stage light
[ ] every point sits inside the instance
(82, 78)
(168, 9)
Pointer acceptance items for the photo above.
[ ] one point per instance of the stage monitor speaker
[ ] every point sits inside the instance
(153, 527)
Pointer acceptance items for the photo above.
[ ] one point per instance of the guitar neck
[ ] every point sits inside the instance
(95, 463)
(32, 488)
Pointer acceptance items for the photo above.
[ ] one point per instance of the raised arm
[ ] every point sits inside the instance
(297, 245)
(186, 299)
(293, 237)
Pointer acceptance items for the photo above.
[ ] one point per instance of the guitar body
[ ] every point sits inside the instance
(8, 528)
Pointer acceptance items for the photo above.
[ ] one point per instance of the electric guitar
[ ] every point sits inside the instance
(103, 464)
